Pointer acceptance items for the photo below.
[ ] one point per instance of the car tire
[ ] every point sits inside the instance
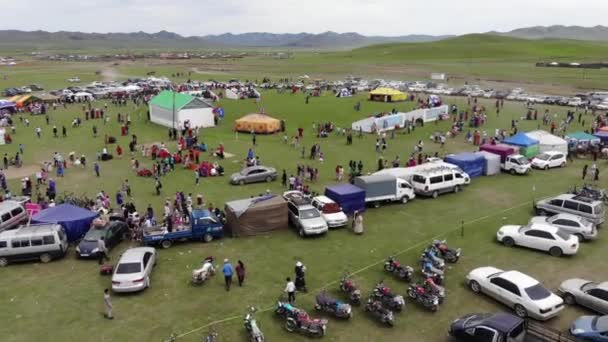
(3, 262)
(207, 237)
(520, 311)
(404, 200)
(242, 182)
(474, 286)
(546, 167)
(563, 164)
(147, 282)
(435, 194)
(512, 171)
(301, 232)
(508, 241)
(45, 258)
(556, 251)
(569, 299)
(541, 212)
(165, 244)
(268, 179)
(456, 189)
(580, 237)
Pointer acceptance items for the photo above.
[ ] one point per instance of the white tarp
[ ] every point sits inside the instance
(388, 122)
(549, 142)
(492, 166)
(230, 94)
(199, 117)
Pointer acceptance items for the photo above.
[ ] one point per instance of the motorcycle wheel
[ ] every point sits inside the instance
(318, 307)
(356, 301)
(280, 311)
(397, 307)
(389, 267)
(403, 274)
(451, 258)
(390, 323)
(291, 325)
(433, 308)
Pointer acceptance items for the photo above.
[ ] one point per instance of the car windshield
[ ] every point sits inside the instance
(94, 234)
(521, 160)
(562, 234)
(309, 213)
(130, 267)
(588, 286)
(537, 292)
(600, 323)
(331, 208)
(544, 156)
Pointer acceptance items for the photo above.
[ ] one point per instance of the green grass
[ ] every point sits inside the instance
(63, 299)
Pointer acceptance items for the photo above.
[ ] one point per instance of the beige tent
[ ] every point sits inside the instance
(255, 216)
(258, 123)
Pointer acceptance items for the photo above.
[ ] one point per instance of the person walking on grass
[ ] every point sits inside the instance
(585, 171)
(227, 270)
(240, 272)
(284, 179)
(102, 250)
(107, 302)
(64, 132)
(290, 289)
(96, 167)
(596, 175)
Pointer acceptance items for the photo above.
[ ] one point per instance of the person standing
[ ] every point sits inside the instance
(290, 288)
(585, 171)
(102, 250)
(197, 176)
(358, 223)
(240, 272)
(596, 175)
(227, 270)
(38, 131)
(158, 186)
(284, 179)
(299, 270)
(107, 302)
(96, 167)
(55, 131)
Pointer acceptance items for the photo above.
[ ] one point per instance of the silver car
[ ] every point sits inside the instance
(571, 224)
(254, 174)
(586, 293)
(133, 270)
(590, 209)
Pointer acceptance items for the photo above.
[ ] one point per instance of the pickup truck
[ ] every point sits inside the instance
(203, 226)
(509, 160)
(385, 188)
(503, 327)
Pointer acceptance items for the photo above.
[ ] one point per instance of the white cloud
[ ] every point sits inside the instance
(382, 17)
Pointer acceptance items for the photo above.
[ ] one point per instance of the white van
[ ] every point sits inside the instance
(12, 214)
(435, 181)
(43, 242)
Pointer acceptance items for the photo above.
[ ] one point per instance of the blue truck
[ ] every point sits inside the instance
(203, 226)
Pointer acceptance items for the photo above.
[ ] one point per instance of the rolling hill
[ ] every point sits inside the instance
(595, 33)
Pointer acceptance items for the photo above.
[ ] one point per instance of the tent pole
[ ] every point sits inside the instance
(173, 91)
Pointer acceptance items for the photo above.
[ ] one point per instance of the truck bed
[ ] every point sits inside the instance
(538, 332)
(159, 233)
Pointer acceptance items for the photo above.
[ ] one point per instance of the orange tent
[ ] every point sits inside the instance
(258, 123)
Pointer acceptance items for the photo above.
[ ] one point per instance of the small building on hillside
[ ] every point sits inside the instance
(187, 108)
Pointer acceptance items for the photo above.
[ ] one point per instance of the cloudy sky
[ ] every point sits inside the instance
(371, 17)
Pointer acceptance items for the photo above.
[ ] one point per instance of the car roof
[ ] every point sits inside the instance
(502, 321)
(519, 278)
(9, 205)
(544, 227)
(567, 217)
(324, 199)
(135, 254)
(574, 197)
(552, 152)
(32, 230)
(603, 286)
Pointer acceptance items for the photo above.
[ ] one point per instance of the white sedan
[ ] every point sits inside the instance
(330, 211)
(573, 224)
(549, 159)
(539, 236)
(519, 291)
(133, 270)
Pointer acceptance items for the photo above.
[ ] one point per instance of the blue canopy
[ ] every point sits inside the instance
(520, 139)
(75, 220)
(471, 163)
(603, 136)
(348, 196)
(581, 136)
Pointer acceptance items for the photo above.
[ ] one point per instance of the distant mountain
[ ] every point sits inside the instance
(595, 33)
(164, 39)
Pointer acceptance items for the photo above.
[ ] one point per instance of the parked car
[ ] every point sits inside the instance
(133, 270)
(254, 174)
(113, 233)
(12, 214)
(524, 294)
(539, 236)
(489, 328)
(590, 209)
(330, 211)
(36, 87)
(73, 79)
(586, 293)
(304, 217)
(590, 328)
(549, 159)
(571, 224)
(43, 242)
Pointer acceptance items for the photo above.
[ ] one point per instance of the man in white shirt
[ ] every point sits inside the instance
(290, 288)
(102, 250)
(107, 301)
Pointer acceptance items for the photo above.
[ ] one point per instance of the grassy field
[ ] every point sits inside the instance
(63, 299)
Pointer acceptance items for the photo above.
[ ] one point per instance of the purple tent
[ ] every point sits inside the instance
(602, 135)
(7, 106)
(351, 198)
(75, 220)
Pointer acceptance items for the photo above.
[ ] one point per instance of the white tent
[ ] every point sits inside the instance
(492, 166)
(388, 122)
(2, 132)
(549, 142)
(187, 108)
(84, 96)
(344, 92)
(231, 94)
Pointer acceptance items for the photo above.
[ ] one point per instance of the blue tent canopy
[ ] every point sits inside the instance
(348, 196)
(75, 220)
(471, 163)
(603, 136)
(520, 139)
(581, 136)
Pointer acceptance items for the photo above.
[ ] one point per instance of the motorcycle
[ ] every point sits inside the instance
(429, 272)
(431, 287)
(333, 306)
(212, 337)
(449, 254)
(376, 308)
(591, 192)
(200, 275)
(385, 295)
(429, 254)
(420, 295)
(302, 323)
(393, 266)
(253, 330)
(349, 287)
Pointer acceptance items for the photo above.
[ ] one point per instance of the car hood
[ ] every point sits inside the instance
(87, 246)
(484, 272)
(313, 222)
(335, 216)
(583, 323)
(538, 161)
(572, 285)
(510, 229)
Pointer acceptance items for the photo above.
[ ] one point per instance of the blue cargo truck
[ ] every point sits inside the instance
(203, 226)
